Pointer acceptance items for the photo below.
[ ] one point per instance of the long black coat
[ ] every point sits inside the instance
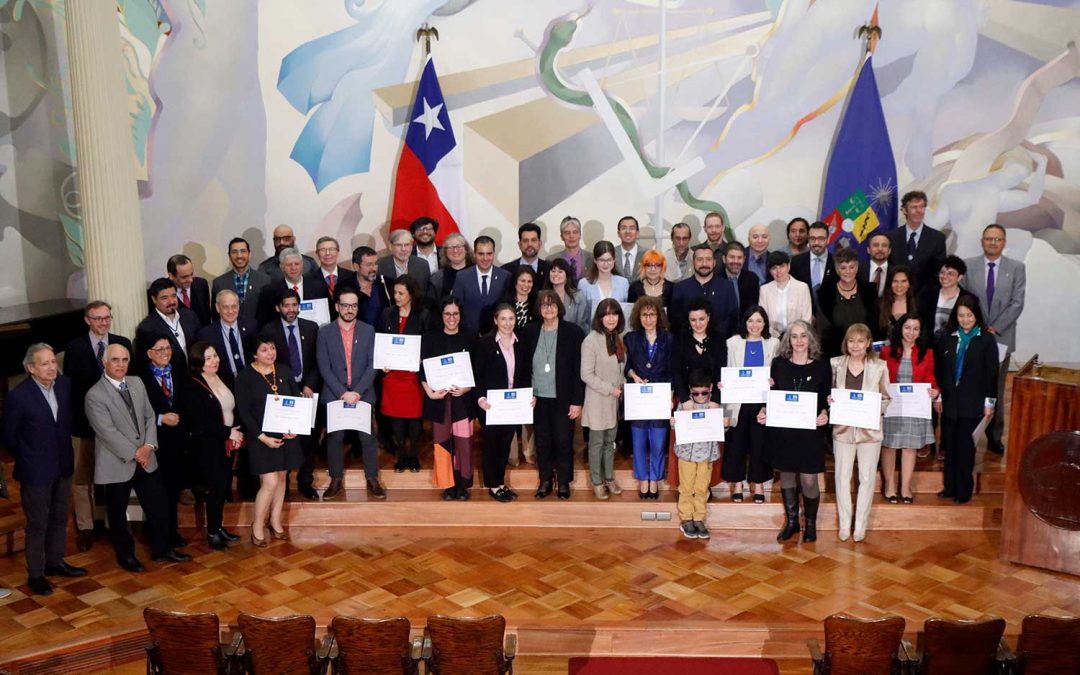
(978, 380)
(569, 388)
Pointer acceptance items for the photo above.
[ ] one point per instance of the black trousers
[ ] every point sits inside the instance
(959, 455)
(746, 438)
(554, 440)
(215, 469)
(150, 489)
(46, 510)
(406, 430)
(175, 475)
(497, 441)
(305, 476)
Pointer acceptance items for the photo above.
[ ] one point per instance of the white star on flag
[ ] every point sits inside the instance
(430, 119)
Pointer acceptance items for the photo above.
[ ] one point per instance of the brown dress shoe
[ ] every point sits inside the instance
(333, 490)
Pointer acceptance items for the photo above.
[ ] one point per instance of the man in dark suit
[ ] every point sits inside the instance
(291, 278)
(917, 245)
(351, 380)
(82, 363)
(628, 253)
(246, 281)
(165, 389)
(192, 291)
(37, 431)
(876, 269)
(284, 238)
(815, 266)
(402, 261)
(231, 335)
(529, 245)
(124, 459)
(329, 272)
(705, 282)
(757, 253)
(743, 282)
(295, 341)
(372, 290)
(480, 286)
(166, 319)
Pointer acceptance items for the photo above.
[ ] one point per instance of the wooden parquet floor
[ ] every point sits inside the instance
(575, 579)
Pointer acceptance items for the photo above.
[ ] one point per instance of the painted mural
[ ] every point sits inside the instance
(250, 113)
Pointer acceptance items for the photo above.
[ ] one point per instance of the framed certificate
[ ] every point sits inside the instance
(449, 370)
(397, 352)
(509, 406)
(288, 415)
(791, 409)
(744, 385)
(855, 408)
(698, 426)
(650, 401)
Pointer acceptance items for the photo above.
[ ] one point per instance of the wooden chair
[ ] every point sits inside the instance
(374, 646)
(281, 645)
(468, 646)
(1047, 645)
(856, 646)
(182, 644)
(959, 648)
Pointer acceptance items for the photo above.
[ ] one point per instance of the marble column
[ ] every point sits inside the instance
(108, 192)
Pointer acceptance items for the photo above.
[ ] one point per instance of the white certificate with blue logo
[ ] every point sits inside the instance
(744, 385)
(854, 408)
(341, 416)
(449, 370)
(317, 310)
(288, 415)
(397, 352)
(699, 426)
(650, 401)
(509, 406)
(791, 409)
(909, 400)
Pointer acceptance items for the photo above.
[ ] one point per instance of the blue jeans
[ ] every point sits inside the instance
(650, 440)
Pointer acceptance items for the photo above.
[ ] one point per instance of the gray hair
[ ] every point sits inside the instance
(289, 253)
(569, 220)
(398, 234)
(450, 238)
(32, 351)
(813, 348)
(224, 292)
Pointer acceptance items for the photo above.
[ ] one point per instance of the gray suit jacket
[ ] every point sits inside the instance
(117, 436)
(330, 354)
(418, 269)
(620, 258)
(1010, 282)
(257, 281)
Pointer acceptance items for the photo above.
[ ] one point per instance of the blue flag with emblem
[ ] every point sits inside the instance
(859, 197)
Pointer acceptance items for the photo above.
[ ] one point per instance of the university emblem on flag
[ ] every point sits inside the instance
(856, 209)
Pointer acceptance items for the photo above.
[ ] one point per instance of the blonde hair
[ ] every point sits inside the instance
(858, 330)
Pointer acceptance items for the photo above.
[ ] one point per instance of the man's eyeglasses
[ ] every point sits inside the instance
(348, 305)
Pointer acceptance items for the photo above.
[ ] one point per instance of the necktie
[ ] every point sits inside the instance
(626, 266)
(100, 354)
(911, 245)
(234, 347)
(165, 388)
(130, 405)
(877, 278)
(294, 354)
(483, 285)
(185, 297)
(815, 275)
(990, 279)
(331, 280)
(296, 287)
(573, 266)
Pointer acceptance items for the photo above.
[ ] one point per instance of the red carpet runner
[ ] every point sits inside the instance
(670, 665)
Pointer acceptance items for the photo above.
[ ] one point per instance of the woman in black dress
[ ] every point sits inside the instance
(799, 454)
(652, 281)
(966, 361)
(521, 295)
(846, 300)
(272, 455)
(451, 411)
(697, 347)
(214, 435)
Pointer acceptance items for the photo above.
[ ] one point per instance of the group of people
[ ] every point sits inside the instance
(182, 407)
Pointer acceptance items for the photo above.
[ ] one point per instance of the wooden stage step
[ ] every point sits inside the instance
(405, 508)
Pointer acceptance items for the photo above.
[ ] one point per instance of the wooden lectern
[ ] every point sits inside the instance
(1041, 517)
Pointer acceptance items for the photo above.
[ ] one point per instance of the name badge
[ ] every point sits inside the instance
(397, 341)
(646, 389)
(746, 373)
(907, 389)
(794, 398)
(446, 360)
(698, 415)
(509, 395)
(288, 403)
(855, 396)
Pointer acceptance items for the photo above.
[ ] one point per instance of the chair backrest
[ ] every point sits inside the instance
(375, 646)
(862, 646)
(467, 646)
(960, 647)
(185, 643)
(279, 645)
(1049, 645)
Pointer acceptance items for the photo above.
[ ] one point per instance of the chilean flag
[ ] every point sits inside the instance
(430, 181)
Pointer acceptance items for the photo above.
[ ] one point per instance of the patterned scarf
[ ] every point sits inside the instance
(164, 372)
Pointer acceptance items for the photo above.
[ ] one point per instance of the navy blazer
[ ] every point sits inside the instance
(153, 327)
(169, 438)
(314, 288)
(309, 332)
(656, 369)
(84, 369)
(725, 306)
(476, 311)
(246, 331)
(41, 445)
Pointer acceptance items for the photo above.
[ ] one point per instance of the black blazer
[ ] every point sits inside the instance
(418, 323)
(200, 299)
(749, 290)
(489, 367)
(929, 254)
(169, 438)
(203, 418)
(246, 329)
(978, 381)
(927, 298)
(153, 327)
(437, 343)
(637, 290)
(82, 366)
(314, 288)
(569, 388)
(685, 360)
(41, 445)
(800, 269)
(542, 269)
(833, 335)
(309, 333)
